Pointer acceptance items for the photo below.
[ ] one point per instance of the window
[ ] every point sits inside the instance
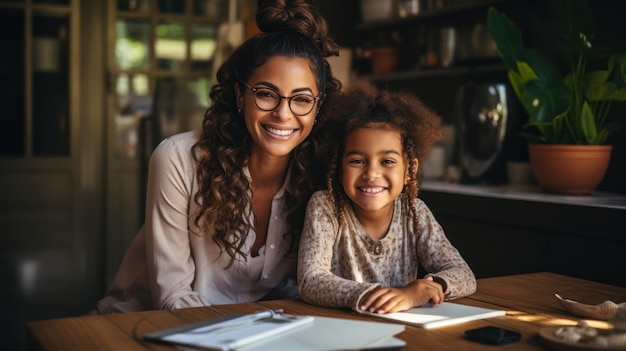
(35, 79)
(162, 68)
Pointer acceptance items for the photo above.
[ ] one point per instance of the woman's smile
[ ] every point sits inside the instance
(279, 132)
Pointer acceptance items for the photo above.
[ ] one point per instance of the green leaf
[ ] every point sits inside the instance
(516, 82)
(506, 35)
(538, 102)
(598, 88)
(588, 125)
(543, 103)
(542, 69)
(558, 123)
(617, 65)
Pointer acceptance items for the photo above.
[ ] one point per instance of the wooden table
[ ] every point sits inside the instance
(528, 299)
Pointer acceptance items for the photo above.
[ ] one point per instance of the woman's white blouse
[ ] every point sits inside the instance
(171, 264)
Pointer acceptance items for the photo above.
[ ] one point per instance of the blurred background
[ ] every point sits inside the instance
(89, 87)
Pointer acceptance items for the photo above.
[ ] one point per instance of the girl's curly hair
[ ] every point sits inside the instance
(291, 28)
(364, 106)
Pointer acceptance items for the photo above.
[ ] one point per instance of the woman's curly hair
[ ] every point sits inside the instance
(364, 106)
(291, 28)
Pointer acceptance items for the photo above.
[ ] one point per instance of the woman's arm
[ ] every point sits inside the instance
(171, 268)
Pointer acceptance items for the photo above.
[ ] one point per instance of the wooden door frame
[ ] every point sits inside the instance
(91, 200)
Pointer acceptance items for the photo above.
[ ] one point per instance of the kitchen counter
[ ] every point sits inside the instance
(503, 230)
(528, 193)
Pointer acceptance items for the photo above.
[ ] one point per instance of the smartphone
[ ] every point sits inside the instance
(493, 335)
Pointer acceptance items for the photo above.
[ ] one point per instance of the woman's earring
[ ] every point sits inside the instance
(315, 121)
(238, 110)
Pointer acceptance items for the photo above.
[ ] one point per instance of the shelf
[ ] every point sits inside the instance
(453, 9)
(597, 199)
(455, 71)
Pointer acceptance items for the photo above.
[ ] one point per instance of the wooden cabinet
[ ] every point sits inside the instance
(503, 231)
(50, 162)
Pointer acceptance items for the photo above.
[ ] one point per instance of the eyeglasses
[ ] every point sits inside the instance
(268, 100)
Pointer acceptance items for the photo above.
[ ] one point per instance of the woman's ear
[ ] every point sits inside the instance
(320, 103)
(239, 97)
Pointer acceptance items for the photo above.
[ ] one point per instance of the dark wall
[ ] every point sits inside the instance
(342, 17)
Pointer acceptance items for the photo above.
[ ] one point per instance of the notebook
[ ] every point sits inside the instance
(440, 315)
(291, 333)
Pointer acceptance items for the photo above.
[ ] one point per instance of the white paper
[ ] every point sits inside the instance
(446, 313)
(236, 333)
(335, 334)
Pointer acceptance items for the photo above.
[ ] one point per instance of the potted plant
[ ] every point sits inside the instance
(384, 52)
(565, 111)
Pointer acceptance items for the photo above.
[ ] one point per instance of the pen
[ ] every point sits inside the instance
(238, 322)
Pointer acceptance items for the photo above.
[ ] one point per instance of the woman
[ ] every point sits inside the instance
(225, 204)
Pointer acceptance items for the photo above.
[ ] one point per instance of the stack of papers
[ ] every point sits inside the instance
(273, 330)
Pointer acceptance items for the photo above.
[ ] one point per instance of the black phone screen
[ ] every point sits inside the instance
(493, 335)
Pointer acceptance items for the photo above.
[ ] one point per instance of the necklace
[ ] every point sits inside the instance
(375, 247)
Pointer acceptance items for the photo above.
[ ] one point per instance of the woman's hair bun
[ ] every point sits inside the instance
(300, 16)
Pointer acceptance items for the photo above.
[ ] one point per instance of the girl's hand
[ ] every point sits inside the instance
(387, 300)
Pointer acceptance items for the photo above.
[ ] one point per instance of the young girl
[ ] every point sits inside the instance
(364, 238)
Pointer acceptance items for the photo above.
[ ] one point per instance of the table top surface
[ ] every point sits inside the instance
(528, 300)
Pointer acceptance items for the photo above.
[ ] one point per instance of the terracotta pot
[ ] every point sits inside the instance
(384, 60)
(569, 169)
